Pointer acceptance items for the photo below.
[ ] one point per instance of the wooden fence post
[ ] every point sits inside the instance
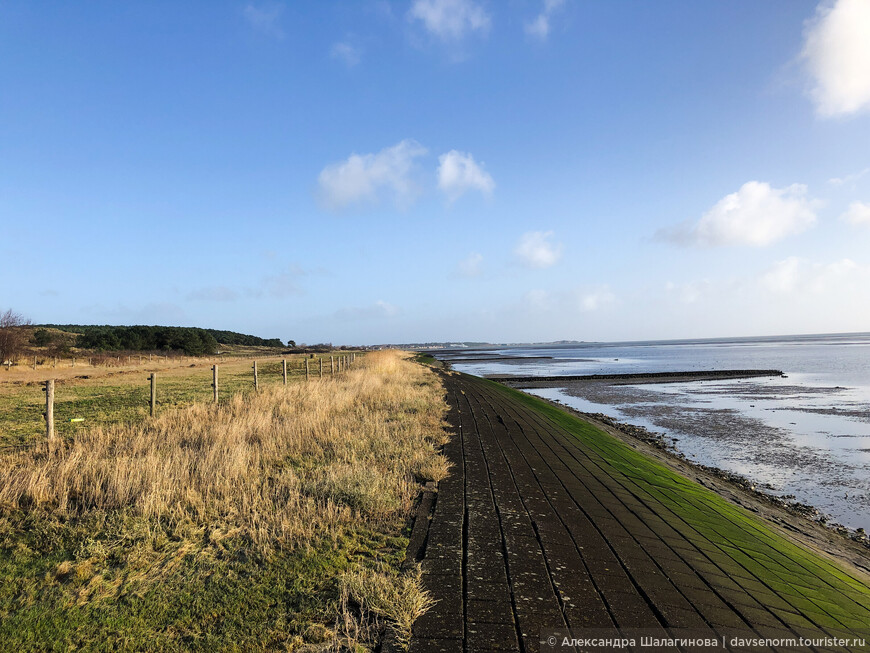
(153, 378)
(49, 411)
(306, 370)
(321, 367)
(214, 383)
(332, 365)
(256, 380)
(284, 370)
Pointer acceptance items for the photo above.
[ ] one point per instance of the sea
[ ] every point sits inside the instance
(805, 434)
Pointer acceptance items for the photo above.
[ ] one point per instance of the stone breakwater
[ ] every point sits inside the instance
(646, 377)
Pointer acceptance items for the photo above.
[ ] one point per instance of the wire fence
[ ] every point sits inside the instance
(36, 411)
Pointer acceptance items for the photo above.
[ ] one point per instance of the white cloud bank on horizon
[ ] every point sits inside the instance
(363, 178)
(535, 250)
(459, 173)
(837, 55)
(756, 215)
(858, 213)
(450, 20)
(540, 26)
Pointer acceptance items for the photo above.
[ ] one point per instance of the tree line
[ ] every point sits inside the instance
(193, 341)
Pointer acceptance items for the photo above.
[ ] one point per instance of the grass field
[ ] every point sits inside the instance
(273, 521)
(121, 394)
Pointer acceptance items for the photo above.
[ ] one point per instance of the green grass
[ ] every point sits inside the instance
(738, 540)
(220, 596)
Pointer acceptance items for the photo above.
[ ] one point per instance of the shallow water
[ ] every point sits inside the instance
(807, 435)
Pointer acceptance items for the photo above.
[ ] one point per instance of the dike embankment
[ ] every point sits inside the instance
(549, 526)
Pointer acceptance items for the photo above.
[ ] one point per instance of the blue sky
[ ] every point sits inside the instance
(365, 172)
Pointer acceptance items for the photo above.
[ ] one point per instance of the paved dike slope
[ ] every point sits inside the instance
(547, 522)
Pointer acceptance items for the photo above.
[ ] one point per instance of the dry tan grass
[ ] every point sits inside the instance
(131, 367)
(281, 467)
(373, 598)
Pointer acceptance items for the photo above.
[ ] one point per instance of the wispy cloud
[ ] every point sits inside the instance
(459, 173)
(151, 313)
(582, 299)
(837, 55)
(284, 284)
(450, 20)
(536, 250)
(470, 266)
(796, 275)
(848, 179)
(756, 215)
(265, 18)
(365, 178)
(379, 310)
(213, 294)
(347, 53)
(539, 27)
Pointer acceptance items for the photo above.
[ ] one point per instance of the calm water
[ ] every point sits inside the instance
(807, 435)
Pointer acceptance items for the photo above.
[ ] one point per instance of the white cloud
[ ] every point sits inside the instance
(470, 266)
(380, 309)
(535, 250)
(365, 177)
(458, 173)
(857, 213)
(755, 215)
(346, 53)
(837, 54)
(540, 27)
(450, 20)
(265, 18)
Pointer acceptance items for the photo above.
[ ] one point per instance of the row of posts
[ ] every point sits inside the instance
(340, 363)
(90, 360)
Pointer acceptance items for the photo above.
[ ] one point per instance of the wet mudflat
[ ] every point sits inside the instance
(548, 524)
(805, 441)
